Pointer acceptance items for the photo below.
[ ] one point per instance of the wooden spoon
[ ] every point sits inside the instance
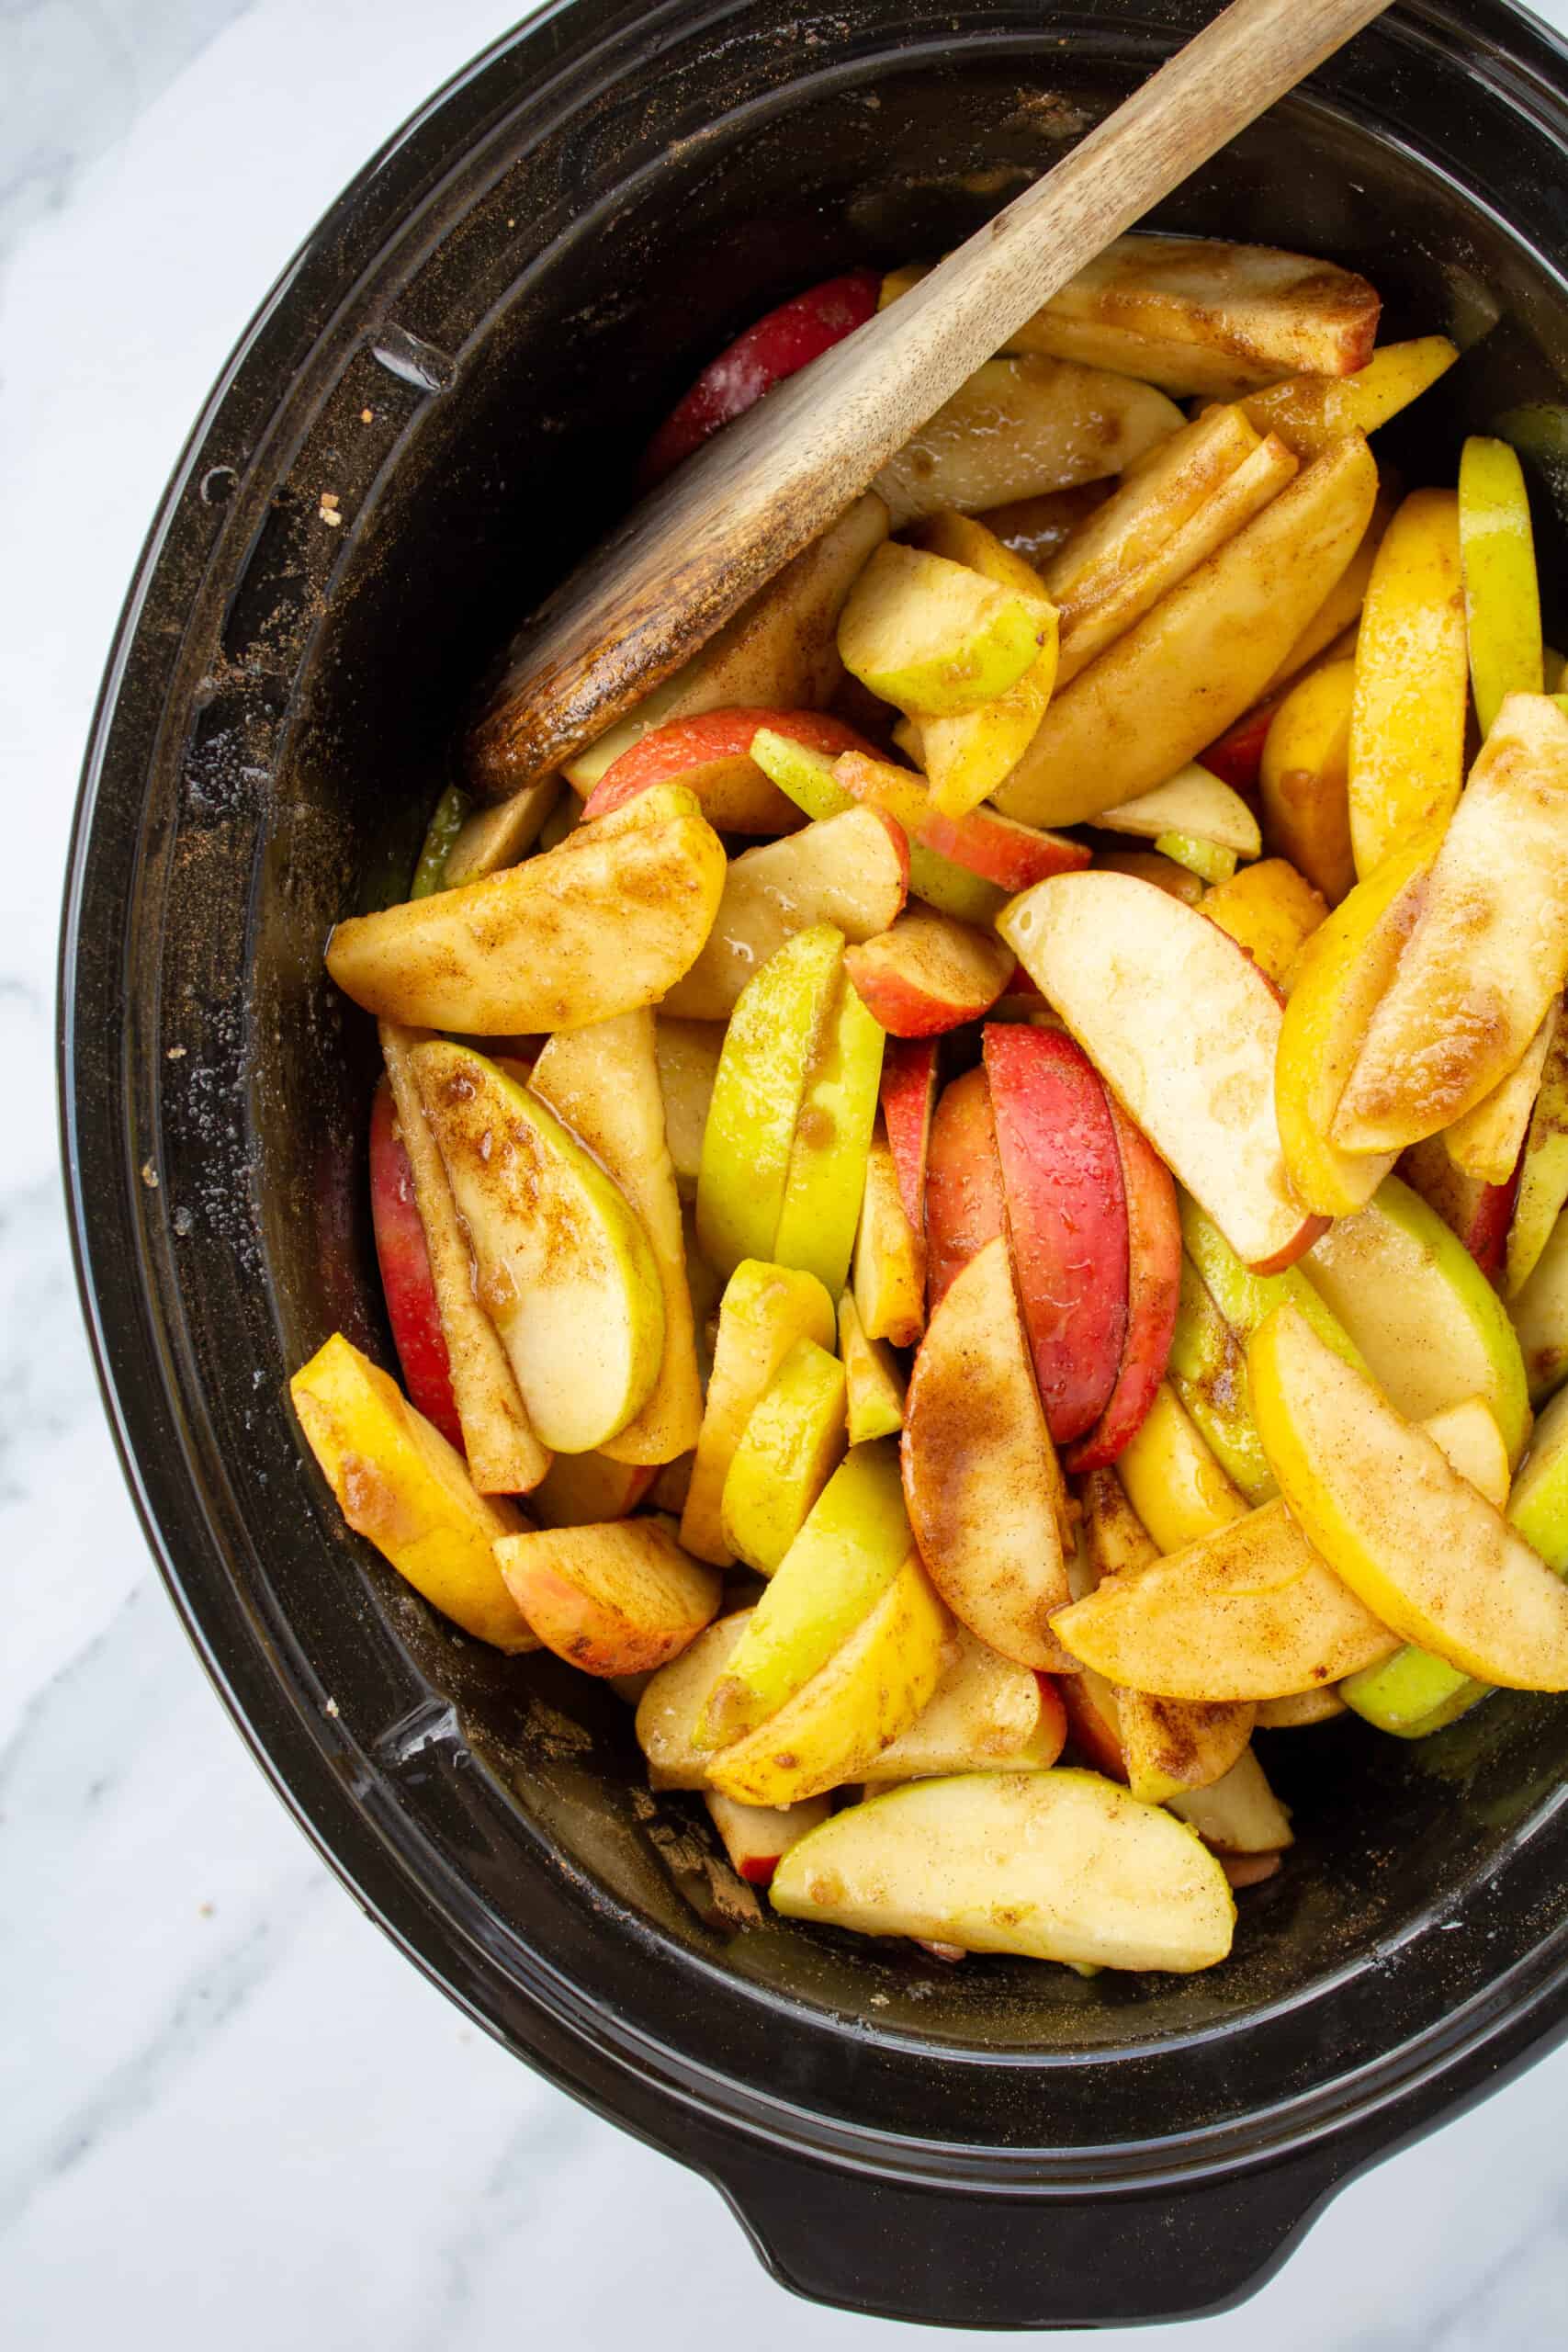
(686, 558)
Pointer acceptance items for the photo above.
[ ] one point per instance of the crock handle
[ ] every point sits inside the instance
(948, 2258)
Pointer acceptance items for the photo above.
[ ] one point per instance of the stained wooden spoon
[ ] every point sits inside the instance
(686, 558)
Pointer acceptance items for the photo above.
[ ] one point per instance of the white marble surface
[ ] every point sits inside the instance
(230, 2111)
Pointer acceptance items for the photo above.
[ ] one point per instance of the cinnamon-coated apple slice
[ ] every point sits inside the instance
(966, 757)
(873, 1385)
(1543, 1170)
(1270, 909)
(928, 973)
(890, 1256)
(765, 1310)
(1304, 779)
(1067, 1217)
(1478, 1212)
(1407, 717)
(933, 637)
(1184, 1029)
(985, 1494)
(1153, 1285)
(1314, 413)
(617, 1599)
(909, 1101)
(965, 1206)
(711, 755)
(407, 1283)
(985, 1715)
(981, 840)
(1488, 1142)
(756, 1836)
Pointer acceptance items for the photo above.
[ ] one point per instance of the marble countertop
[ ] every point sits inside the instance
(232, 2112)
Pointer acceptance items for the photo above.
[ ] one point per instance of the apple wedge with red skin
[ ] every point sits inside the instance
(1154, 1289)
(1067, 1216)
(1184, 1028)
(780, 342)
(1237, 757)
(929, 973)
(965, 1206)
(1478, 1213)
(406, 1279)
(1089, 1702)
(999, 849)
(909, 1101)
(711, 755)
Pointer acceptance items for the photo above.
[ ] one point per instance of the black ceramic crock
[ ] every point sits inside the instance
(468, 354)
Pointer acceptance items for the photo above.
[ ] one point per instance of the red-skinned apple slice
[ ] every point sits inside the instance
(1066, 1218)
(929, 973)
(1184, 1029)
(406, 1278)
(1237, 758)
(781, 341)
(758, 1837)
(964, 1207)
(1154, 1286)
(711, 755)
(1088, 1701)
(1480, 1214)
(984, 842)
(909, 1100)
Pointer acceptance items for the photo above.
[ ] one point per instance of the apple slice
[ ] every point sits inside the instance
(810, 780)
(1486, 1143)
(1192, 802)
(1239, 1815)
(1092, 1708)
(771, 1050)
(1200, 658)
(756, 1836)
(407, 1283)
(1154, 867)
(793, 1444)
(504, 1455)
(1539, 1505)
(1019, 427)
(621, 1599)
(602, 1083)
(1539, 1315)
(1270, 909)
(780, 653)
(986, 1715)
(1168, 485)
(981, 842)
(965, 1204)
(874, 1388)
(1154, 1277)
(711, 755)
(1432, 1329)
(399, 1483)
(1413, 1539)
(933, 637)
(870, 1689)
(1342, 973)
(909, 1101)
(489, 838)
(1237, 756)
(1313, 413)
(929, 974)
(1184, 1028)
(826, 1183)
(1297, 1713)
(765, 1310)
(1055, 1865)
(985, 1494)
(1502, 595)
(586, 1489)
(1489, 951)
(890, 1257)
(1543, 1170)
(1172, 1480)
(1304, 780)
(967, 756)
(547, 944)
(1406, 745)
(1066, 1218)
(1476, 1212)
(779, 344)
(851, 871)
(564, 1266)
(671, 1706)
(1208, 1372)
(688, 1054)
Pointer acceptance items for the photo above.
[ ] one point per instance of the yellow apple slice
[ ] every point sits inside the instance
(1330, 634)
(585, 1489)
(780, 653)
(1239, 1815)
(1487, 1141)
(985, 1714)
(671, 1704)
(1184, 1029)
(1301, 1709)
(874, 1389)
(688, 1054)
(770, 1050)
(620, 1599)
(1172, 1480)
(1340, 977)
(1177, 680)
(966, 757)
(399, 1483)
(1312, 414)
(564, 1267)
(1156, 496)
(1429, 1325)
(930, 636)
(872, 1690)
(1053, 1865)
(504, 1455)
(846, 1554)
(550, 943)
(1543, 1176)
(1192, 802)
(1539, 1315)
(489, 838)
(1412, 1538)
(765, 1310)
(1501, 595)
(1489, 952)
(1406, 746)
(986, 1496)
(603, 1082)
(1303, 783)
(890, 1256)
(1270, 909)
(1021, 426)
(851, 871)
(793, 1444)
(826, 1180)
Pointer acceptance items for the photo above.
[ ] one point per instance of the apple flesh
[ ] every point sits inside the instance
(965, 1204)
(1543, 1170)
(909, 1101)
(933, 637)
(711, 755)
(986, 1715)
(1488, 1142)
(811, 781)
(890, 1257)
(619, 1599)
(586, 1489)
(489, 838)
(1304, 779)
(1270, 909)
(756, 1836)
(688, 1054)
(1239, 1815)
(407, 1283)
(981, 842)
(1313, 412)
(966, 757)
(826, 1182)
(1406, 753)
(670, 1705)
(1501, 591)
(873, 1385)
(791, 1446)
(928, 974)
(765, 1310)
(1540, 1316)
(1193, 802)
(1172, 1480)
(1478, 1212)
